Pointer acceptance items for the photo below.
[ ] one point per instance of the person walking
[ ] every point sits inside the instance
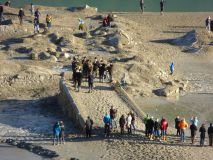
(142, 5)
(56, 132)
(88, 127)
(164, 127)
(106, 120)
(162, 6)
(49, 21)
(90, 82)
(129, 123)
(62, 134)
(21, 15)
(157, 127)
(113, 113)
(210, 133)
(202, 135)
(177, 121)
(81, 24)
(36, 25)
(172, 68)
(193, 129)
(183, 125)
(122, 122)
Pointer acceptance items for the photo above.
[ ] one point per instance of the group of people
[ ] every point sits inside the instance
(154, 129)
(181, 125)
(110, 123)
(162, 2)
(58, 133)
(90, 70)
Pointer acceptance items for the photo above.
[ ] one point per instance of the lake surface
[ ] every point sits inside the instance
(126, 5)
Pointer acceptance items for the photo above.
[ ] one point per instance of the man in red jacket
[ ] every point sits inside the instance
(164, 126)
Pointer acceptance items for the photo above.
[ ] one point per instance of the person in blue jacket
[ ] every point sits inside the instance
(107, 120)
(56, 133)
(172, 68)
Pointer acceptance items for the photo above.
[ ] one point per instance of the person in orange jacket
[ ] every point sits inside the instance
(183, 125)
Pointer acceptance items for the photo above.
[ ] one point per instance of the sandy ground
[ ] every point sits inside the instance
(145, 57)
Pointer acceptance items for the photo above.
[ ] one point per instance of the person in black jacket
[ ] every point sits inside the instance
(21, 16)
(162, 6)
(202, 134)
(150, 124)
(88, 127)
(177, 121)
(122, 122)
(90, 81)
(193, 129)
(157, 129)
(210, 133)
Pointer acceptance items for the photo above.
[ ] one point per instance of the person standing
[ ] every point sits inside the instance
(194, 120)
(164, 126)
(90, 82)
(49, 21)
(142, 5)
(129, 123)
(8, 4)
(32, 10)
(172, 68)
(210, 133)
(157, 127)
(1, 13)
(133, 121)
(202, 135)
(145, 122)
(162, 6)
(81, 24)
(36, 25)
(56, 132)
(208, 24)
(150, 125)
(122, 123)
(113, 113)
(193, 129)
(106, 120)
(183, 125)
(79, 77)
(88, 127)
(177, 121)
(21, 16)
(110, 70)
(62, 135)
(37, 14)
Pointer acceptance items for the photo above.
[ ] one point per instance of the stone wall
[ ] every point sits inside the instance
(69, 106)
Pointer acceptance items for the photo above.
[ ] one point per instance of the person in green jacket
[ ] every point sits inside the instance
(145, 122)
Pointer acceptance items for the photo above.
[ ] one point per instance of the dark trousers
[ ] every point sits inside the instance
(122, 129)
(178, 131)
(88, 132)
(142, 7)
(107, 129)
(193, 138)
(210, 139)
(202, 140)
(90, 86)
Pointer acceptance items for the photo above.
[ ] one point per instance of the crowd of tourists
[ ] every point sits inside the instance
(88, 70)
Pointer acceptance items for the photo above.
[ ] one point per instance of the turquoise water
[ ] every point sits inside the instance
(126, 5)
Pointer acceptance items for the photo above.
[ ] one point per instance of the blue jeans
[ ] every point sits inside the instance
(164, 133)
(182, 135)
(157, 133)
(55, 138)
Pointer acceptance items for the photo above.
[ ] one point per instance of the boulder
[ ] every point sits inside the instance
(53, 59)
(168, 91)
(62, 41)
(7, 22)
